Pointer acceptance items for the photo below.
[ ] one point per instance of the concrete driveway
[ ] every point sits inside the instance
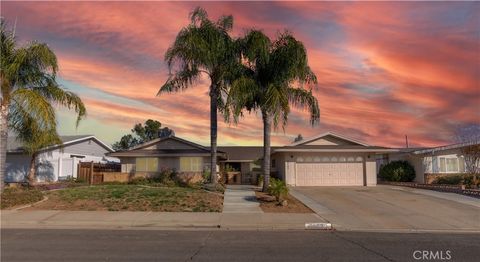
(391, 208)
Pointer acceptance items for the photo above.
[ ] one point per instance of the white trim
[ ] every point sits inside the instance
(446, 168)
(76, 141)
(156, 140)
(301, 142)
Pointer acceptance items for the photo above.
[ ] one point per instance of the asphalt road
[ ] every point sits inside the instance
(147, 245)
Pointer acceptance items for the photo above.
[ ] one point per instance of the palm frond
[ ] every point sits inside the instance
(305, 99)
(276, 104)
(61, 97)
(225, 22)
(242, 95)
(198, 15)
(30, 103)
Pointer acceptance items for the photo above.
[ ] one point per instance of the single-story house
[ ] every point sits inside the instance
(431, 163)
(325, 160)
(328, 159)
(188, 158)
(55, 162)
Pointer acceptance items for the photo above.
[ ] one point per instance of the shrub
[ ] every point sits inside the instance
(278, 189)
(397, 171)
(260, 180)
(139, 181)
(206, 176)
(167, 177)
(468, 181)
(449, 180)
(19, 196)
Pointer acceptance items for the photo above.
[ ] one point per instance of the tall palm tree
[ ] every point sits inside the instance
(29, 92)
(203, 47)
(274, 78)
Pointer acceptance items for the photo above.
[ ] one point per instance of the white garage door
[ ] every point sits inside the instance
(67, 168)
(329, 174)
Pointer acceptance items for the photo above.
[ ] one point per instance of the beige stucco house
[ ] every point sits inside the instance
(328, 159)
(191, 160)
(325, 160)
(431, 163)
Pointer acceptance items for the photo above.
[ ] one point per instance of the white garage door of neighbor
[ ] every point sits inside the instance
(329, 174)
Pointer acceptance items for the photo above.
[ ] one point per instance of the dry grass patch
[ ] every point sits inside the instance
(15, 197)
(269, 205)
(133, 198)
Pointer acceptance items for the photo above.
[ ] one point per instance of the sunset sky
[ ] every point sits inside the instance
(385, 70)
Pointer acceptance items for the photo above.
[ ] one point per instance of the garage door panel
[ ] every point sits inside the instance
(329, 174)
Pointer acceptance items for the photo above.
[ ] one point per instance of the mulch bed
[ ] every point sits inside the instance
(269, 205)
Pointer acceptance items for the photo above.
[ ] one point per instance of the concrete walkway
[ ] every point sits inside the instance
(240, 199)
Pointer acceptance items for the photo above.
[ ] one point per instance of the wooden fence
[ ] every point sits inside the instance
(93, 173)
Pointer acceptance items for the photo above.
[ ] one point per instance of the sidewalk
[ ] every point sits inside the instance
(240, 199)
(153, 220)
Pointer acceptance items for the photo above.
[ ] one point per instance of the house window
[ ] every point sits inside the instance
(273, 163)
(146, 164)
(448, 164)
(191, 164)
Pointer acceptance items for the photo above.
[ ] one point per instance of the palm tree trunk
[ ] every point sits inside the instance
(3, 143)
(213, 134)
(31, 172)
(266, 150)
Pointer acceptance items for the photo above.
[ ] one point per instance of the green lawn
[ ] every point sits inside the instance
(133, 198)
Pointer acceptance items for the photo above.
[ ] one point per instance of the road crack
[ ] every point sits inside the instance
(202, 245)
(363, 247)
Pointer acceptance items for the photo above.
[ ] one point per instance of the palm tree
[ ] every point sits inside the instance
(274, 78)
(34, 139)
(29, 92)
(203, 47)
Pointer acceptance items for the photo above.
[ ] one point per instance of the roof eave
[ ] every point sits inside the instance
(338, 150)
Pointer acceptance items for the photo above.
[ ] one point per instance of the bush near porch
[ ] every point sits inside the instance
(456, 179)
(397, 171)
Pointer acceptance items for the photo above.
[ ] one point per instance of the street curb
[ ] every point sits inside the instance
(318, 226)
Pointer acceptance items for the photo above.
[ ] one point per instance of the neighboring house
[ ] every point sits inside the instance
(328, 159)
(55, 162)
(430, 163)
(188, 158)
(325, 160)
